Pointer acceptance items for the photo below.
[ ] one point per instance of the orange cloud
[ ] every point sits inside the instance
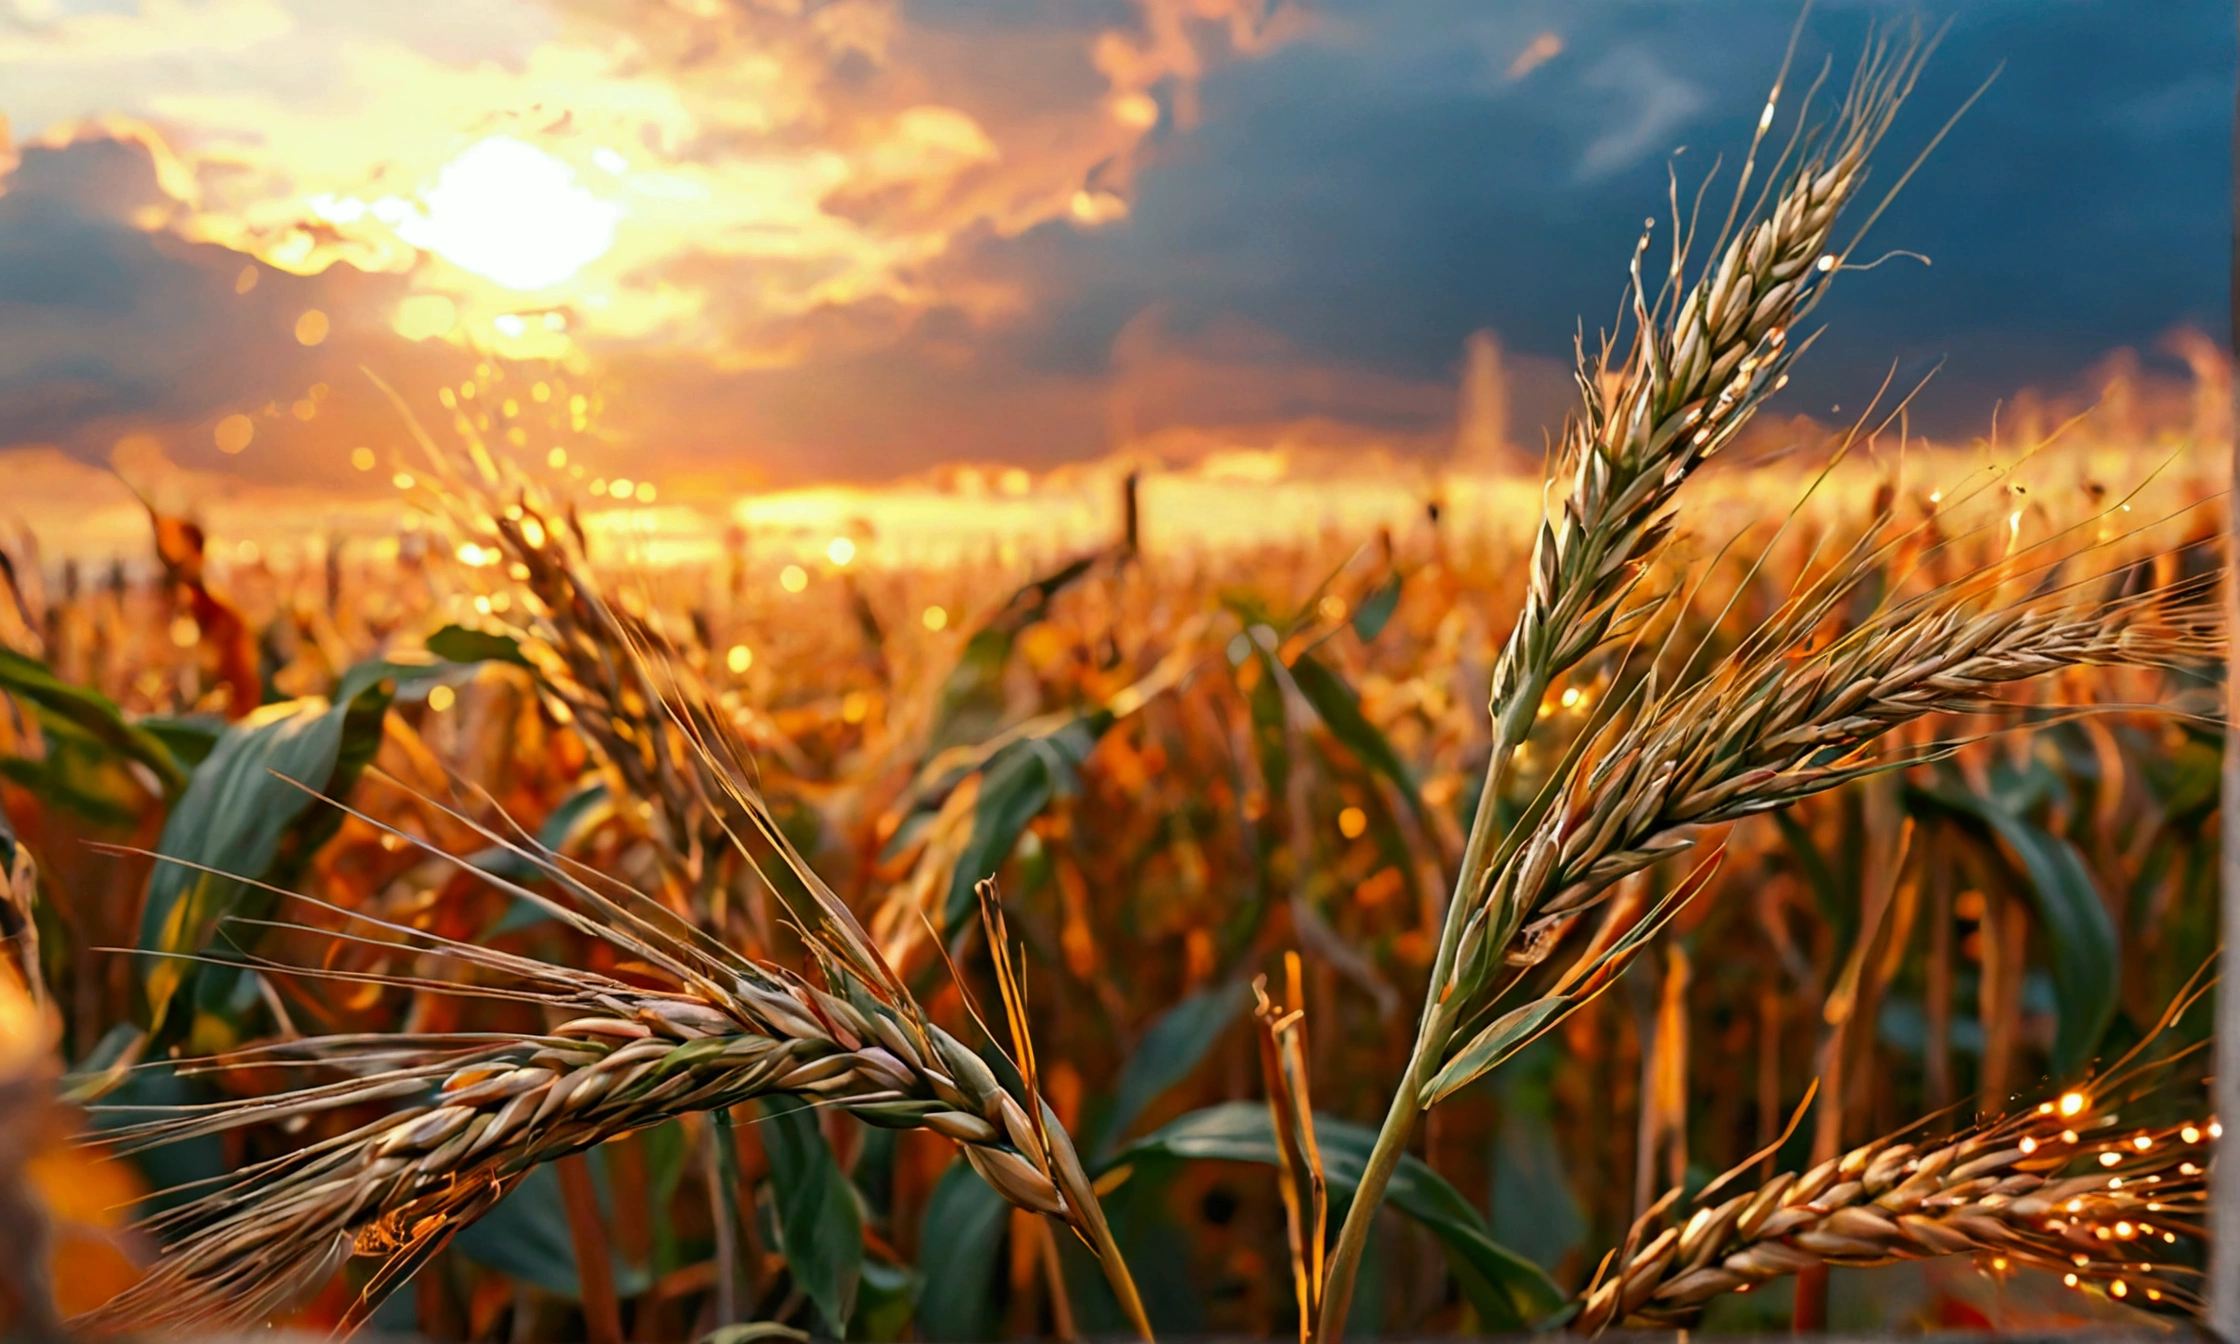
(1538, 52)
(559, 174)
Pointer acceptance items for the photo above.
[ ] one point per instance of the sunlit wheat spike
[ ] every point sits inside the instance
(1761, 733)
(1701, 359)
(1700, 362)
(467, 1117)
(2063, 1186)
(1753, 734)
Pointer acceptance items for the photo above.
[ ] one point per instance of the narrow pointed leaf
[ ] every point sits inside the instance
(1376, 609)
(1503, 1037)
(241, 814)
(32, 681)
(1340, 710)
(960, 1253)
(1169, 1052)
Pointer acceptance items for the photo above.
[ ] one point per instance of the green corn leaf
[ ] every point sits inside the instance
(189, 737)
(1340, 710)
(1375, 611)
(242, 815)
(525, 1235)
(971, 703)
(959, 1256)
(33, 682)
(79, 774)
(458, 644)
(819, 1222)
(1508, 1291)
(1168, 1053)
(1019, 782)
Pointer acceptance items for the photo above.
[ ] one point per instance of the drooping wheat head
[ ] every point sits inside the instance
(464, 1116)
(472, 1114)
(2064, 1186)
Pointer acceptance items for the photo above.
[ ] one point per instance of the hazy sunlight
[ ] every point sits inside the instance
(509, 212)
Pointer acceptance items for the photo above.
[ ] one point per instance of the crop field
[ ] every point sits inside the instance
(1740, 879)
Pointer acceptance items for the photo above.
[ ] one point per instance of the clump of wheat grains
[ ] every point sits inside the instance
(467, 1115)
(2064, 1187)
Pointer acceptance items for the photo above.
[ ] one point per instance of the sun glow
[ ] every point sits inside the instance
(508, 212)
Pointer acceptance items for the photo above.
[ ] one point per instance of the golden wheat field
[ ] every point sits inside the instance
(1736, 873)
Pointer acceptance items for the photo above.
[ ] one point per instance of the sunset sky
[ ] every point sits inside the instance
(779, 241)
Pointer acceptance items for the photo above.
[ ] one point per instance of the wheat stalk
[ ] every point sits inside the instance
(477, 1112)
(480, 1112)
(2063, 1187)
(1771, 725)
(1303, 1182)
(1701, 361)
(588, 650)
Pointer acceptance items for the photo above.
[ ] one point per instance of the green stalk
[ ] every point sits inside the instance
(1384, 1159)
(1432, 1029)
(1701, 362)
(723, 1190)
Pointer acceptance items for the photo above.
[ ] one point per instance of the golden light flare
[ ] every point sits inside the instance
(234, 433)
(421, 317)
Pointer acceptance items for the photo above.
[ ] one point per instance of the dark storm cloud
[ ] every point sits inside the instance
(1378, 191)
(108, 329)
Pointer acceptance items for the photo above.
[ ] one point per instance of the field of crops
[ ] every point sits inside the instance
(502, 934)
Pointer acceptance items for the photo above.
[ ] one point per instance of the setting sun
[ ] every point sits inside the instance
(508, 212)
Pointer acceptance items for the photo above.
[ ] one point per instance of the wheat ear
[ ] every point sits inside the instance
(1773, 725)
(479, 1113)
(466, 1116)
(1702, 359)
(2063, 1186)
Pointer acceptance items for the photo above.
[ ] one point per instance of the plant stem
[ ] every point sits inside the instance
(1116, 1274)
(723, 1194)
(1510, 723)
(1384, 1159)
